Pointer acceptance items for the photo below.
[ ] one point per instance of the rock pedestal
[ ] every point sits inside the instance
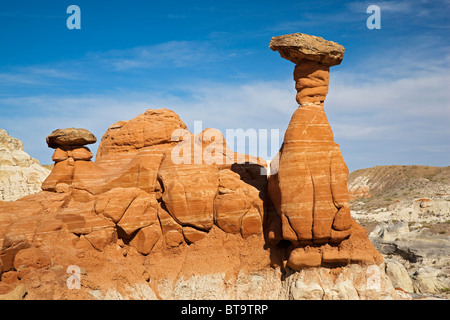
(309, 189)
(69, 151)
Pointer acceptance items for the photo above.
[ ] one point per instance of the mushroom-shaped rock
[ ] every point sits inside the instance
(69, 148)
(309, 188)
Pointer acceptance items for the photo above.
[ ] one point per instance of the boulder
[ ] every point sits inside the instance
(297, 47)
(124, 139)
(425, 280)
(301, 258)
(99, 239)
(70, 137)
(398, 275)
(238, 207)
(141, 212)
(146, 238)
(32, 257)
(192, 235)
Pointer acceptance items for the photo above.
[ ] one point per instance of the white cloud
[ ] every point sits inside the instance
(164, 55)
(37, 76)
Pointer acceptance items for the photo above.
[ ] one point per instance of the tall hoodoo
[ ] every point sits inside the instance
(309, 189)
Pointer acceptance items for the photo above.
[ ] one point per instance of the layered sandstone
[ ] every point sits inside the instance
(20, 174)
(309, 189)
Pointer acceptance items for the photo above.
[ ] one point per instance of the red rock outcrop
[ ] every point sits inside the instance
(136, 190)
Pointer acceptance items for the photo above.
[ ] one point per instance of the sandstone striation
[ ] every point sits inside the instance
(309, 189)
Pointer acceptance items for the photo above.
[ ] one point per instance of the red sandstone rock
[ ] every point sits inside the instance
(172, 231)
(62, 173)
(135, 170)
(192, 235)
(334, 256)
(59, 155)
(145, 196)
(142, 212)
(114, 203)
(82, 153)
(146, 238)
(99, 239)
(125, 139)
(309, 189)
(9, 277)
(189, 204)
(301, 258)
(238, 207)
(32, 257)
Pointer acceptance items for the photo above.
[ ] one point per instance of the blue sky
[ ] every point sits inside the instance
(389, 100)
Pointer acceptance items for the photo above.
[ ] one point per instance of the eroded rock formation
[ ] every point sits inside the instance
(309, 189)
(136, 192)
(160, 205)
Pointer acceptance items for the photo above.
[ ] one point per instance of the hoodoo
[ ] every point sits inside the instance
(309, 189)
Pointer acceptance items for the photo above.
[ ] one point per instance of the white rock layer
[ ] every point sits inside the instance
(352, 282)
(20, 174)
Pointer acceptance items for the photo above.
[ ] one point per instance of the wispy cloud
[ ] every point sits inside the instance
(125, 64)
(37, 75)
(16, 78)
(170, 54)
(398, 121)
